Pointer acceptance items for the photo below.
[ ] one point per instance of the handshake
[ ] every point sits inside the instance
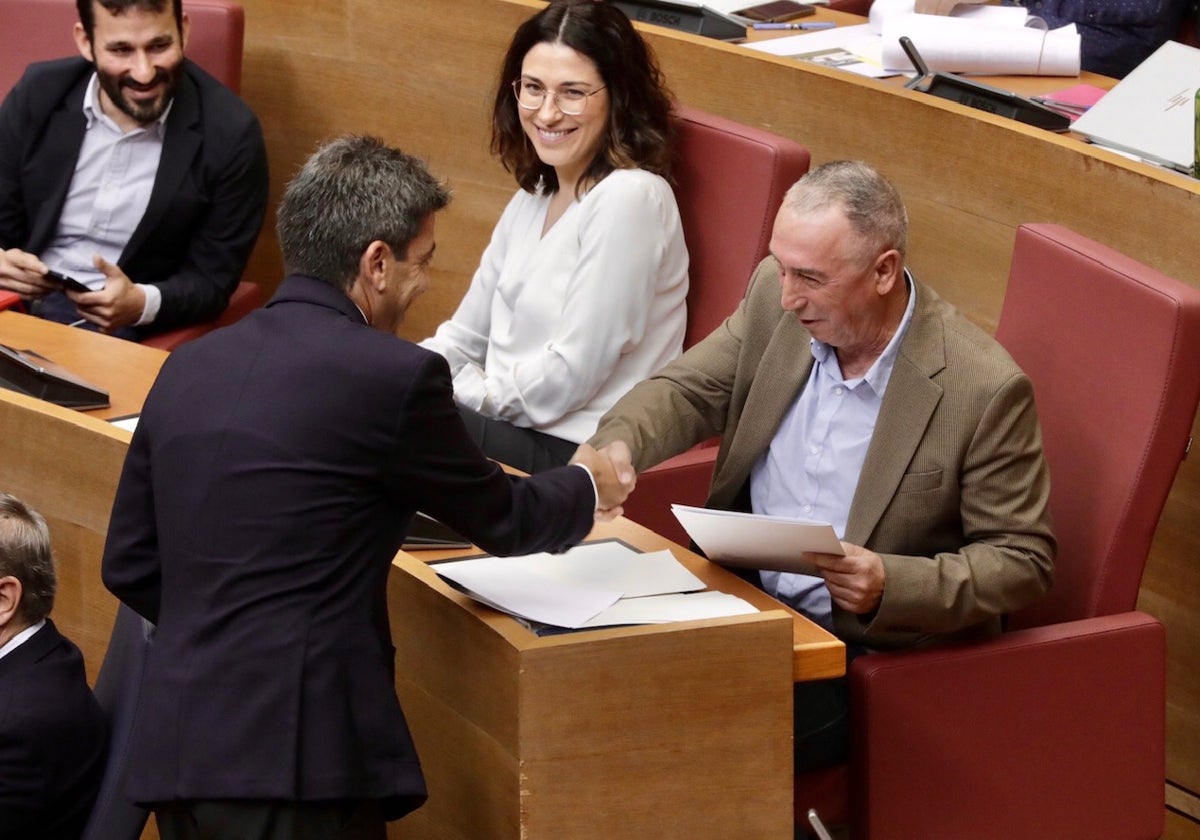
(612, 469)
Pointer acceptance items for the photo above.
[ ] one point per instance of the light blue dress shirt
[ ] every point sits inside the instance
(811, 469)
(108, 196)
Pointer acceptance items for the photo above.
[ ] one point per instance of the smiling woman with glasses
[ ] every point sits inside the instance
(581, 292)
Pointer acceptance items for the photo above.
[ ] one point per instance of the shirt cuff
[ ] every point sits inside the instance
(153, 304)
(591, 478)
(470, 388)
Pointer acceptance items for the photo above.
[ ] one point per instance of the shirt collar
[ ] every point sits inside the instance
(92, 110)
(881, 369)
(20, 639)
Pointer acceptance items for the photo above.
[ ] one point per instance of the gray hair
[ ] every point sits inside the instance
(350, 193)
(25, 555)
(870, 202)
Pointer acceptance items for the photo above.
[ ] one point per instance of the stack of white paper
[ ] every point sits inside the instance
(753, 541)
(592, 585)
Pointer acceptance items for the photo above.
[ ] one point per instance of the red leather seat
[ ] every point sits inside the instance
(729, 183)
(36, 30)
(1057, 727)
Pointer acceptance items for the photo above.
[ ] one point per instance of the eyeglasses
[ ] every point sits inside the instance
(570, 101)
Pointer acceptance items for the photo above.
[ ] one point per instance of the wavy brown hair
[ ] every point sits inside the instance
(640, 133)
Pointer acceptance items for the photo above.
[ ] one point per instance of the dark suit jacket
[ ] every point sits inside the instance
(52, 740)
(268, 486)
(208, 200)
(954, 492)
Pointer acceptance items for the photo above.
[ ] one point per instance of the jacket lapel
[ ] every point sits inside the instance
(908, 404)
(181, 143)
(784, 368)
(55, 161)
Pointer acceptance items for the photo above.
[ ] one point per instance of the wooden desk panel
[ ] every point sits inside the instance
(123, 368)
(601, 734)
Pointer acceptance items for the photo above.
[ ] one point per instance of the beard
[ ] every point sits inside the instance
(115, 88)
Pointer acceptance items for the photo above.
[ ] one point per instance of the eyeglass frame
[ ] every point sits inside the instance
(553, 93)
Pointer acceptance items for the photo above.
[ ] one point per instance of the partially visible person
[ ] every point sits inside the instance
(1115, 35)
(844, 391)
(581, 292)
(131, 170)
(274, 472)
(53, 735)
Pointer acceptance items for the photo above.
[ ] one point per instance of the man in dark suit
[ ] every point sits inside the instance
(131, 170)
(52, 732)
(273, 474)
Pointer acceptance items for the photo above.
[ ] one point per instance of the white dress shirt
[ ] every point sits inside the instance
(108, 196)
(555, 328)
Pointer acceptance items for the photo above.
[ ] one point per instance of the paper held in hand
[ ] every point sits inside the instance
(752, 541)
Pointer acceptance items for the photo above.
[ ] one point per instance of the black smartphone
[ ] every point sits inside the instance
(67, 282)
(776, 11)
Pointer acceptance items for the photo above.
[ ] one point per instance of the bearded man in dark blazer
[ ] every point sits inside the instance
(844, 391)
(131, 170)
(52, 732)
(272, 477)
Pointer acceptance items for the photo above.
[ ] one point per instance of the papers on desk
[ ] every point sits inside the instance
(854, 49)
(752, 541)
(128, 422)
(592, 585)
(990, 40)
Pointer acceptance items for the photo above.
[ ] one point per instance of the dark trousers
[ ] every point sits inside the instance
(256, 820)
(523, 449)
(58, 307)
(821, 720)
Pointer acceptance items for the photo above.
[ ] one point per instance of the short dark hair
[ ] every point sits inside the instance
(640, 132)
(871, 203)
(87, 12)
(351, 192)
(25, 554)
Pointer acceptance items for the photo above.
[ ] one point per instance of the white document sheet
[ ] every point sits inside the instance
(527, 594)
(748, 540)
(852, 48)
(956, 45)
(992, 40)
(661, 609)
(570, 588)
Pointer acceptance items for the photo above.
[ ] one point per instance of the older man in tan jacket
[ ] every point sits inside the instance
(845, 391)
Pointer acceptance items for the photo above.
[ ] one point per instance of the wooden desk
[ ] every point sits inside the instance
(676, 730)
(123, 368)
(66, 463)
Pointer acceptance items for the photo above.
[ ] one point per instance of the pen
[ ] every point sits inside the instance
(817, 24)
(1059, 105)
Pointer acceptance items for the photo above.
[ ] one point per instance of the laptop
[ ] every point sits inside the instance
(1151, 113)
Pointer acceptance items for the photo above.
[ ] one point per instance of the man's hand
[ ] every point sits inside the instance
(118, 304)
(25, 274)
(615, 477)
(855, 582)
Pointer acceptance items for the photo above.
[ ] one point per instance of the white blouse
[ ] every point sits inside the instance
(555, 328)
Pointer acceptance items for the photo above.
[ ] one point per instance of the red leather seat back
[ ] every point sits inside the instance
(1111, 347)
(36, 30)
(729, 182)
